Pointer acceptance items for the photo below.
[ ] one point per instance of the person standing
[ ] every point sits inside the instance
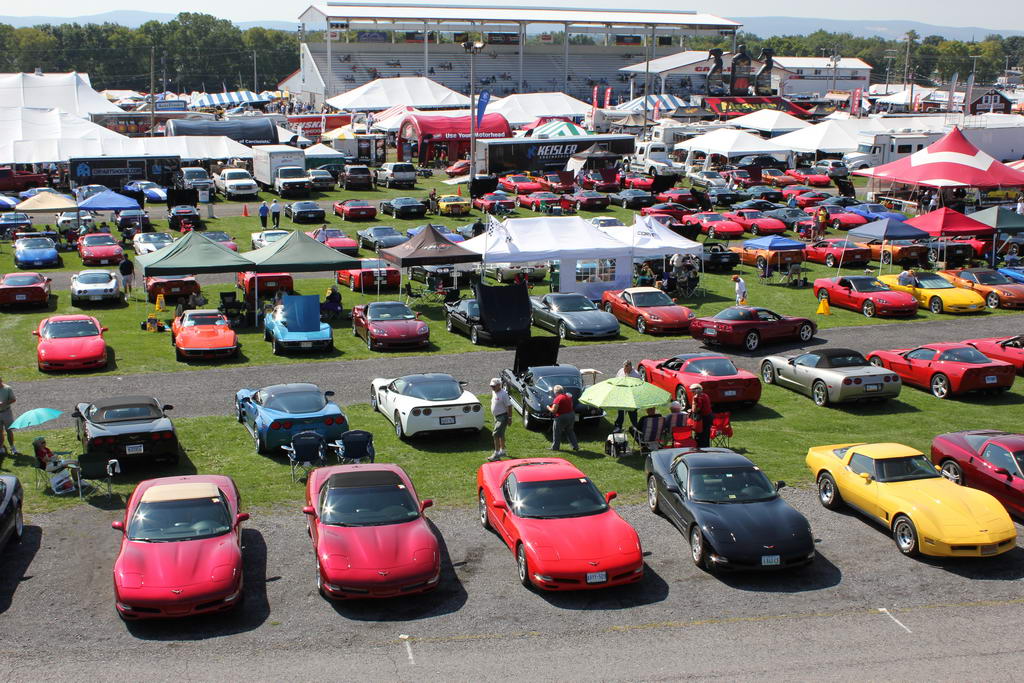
(7, 399)
(933, 201)
(127, 270)
(1020, 204)
(501, 411)
(701, 412)
(562, 427)
(626, 370)
(741, 290)
(263, 211)
(275, 213)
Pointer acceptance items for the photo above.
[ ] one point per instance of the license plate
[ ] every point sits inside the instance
(39, 263)
(20, 297)
(95, 298)
(972, 306)
(174, 290)
(134, 448)
(270, 284)
(305, 345)
(770, 560)
(597, 577)
(730, 392)
(103, 262)
(710, 332)
(450, 420)
(872, 387)
(991, 379)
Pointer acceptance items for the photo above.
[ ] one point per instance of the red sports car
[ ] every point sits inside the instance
(677, 211)
(203, 334)
(1007, 349)
(806, 200)
(18, 289)
(757, 222)
(636, 181)
(519, 184)
(838, 217)
(222, 238)
(355, 210)
(751, 326)
(866, 294)
(370, 274)
(815, 177)
(741, 177)
(670, 222)
(173, 287)
(715, 225)
(559, 183)
(389, 325)
(722, 381)
(985, 459)
(647, 309)
(460, 167)
(563, 532)
(336, 239)
(266, 284)
(70, 342)
(370, 538)
(776, 178)
(589, 200)
(491, 201)
(99, 249)
(835, 251)
(677, 195)
(982, 247)
(595, 180)
(946, 369)
(533, 200)
(181, 548)
(790, 190)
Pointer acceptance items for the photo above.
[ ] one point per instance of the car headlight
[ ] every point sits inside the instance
(379, 331)
(653, 317)
(882, 301)
(423, 329)
(1004, 293)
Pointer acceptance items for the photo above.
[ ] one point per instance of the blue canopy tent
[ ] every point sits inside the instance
(887, 230)
(773, 243)
(108, 200)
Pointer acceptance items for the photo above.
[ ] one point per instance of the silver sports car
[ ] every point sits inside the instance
(95, 285)
(831, 376)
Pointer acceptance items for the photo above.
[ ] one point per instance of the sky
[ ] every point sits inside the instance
(984, 13)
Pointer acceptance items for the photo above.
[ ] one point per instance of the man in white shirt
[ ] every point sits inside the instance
(501, 411)
(1020, 205)
(275, 213)
(741, 289)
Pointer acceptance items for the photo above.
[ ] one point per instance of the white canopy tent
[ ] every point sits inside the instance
(35, 123)
(320, 151)
(827, 137)
(649, 238)
(729, 143)
(286, 134)
(770, 121)
(526, 108)
(56, 150)
(383, 93)
(70, 92)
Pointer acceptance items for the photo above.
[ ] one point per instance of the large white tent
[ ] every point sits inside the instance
(68, 92)
(55, 150)
(647, 237)
(34, 123)
(528, 107)
(827, 137)
(384, 93)
(729, 143)
(770, 121)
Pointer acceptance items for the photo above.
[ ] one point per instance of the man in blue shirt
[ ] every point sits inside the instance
(264, 211)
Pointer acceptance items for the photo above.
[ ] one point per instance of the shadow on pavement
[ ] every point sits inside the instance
(14, 564)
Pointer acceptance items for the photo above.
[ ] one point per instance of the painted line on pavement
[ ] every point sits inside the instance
(898, 622)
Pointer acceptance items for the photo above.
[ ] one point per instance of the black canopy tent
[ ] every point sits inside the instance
(429, 248)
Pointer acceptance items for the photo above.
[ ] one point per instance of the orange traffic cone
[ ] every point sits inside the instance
(245, 210)
(460, 190)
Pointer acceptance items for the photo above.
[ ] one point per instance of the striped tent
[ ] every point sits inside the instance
(668, 103)
(228, 99)
(558, 129)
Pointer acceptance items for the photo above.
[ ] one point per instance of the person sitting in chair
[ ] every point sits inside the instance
(331, 306)
(649, 428)
(676, 418)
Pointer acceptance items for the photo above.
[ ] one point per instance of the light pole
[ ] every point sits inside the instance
(472, 48)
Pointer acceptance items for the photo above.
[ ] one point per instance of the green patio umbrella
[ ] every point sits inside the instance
(625, 393)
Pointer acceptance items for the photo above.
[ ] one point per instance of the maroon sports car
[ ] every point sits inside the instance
(751, 326)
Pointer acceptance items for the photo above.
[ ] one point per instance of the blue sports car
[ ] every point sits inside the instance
(149, 189)
(13, 222)
(33, 191)
(276, 413)
(294, 325)
(32, 252)
(875, 212)
(1015, 273)
(443, 229)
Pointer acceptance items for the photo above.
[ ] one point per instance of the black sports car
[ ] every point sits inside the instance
(184, 215)
(768, 194)
(380, 237)
(718, 256)
(632, 199)
(757, 205)
(403, 207)
(532, 378)
(573, 316)
(11, 496)
(133, 218)
(463, 316)
(952, 253)
(789, 216)
(840, 201)
(305, 212)
(728, 509)
(431, 276)
(723, 196)
(125, 428)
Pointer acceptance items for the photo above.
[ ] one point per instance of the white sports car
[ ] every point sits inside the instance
(148, 242)
(95, 285)
(429, 402)
(74, 219)
(262, 239)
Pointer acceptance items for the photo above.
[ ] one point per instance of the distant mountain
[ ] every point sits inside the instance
(866, 28)
(131, 19)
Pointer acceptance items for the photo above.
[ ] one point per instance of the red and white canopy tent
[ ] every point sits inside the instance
(946, 222)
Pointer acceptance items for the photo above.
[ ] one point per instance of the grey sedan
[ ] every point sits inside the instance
(573, 316)
(831, 376)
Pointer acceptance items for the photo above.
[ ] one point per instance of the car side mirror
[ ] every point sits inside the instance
(328, 393)
(791, 361)
(865, 476)
(671, 487)
(500, 504)
(104, 329)
(779, 485)
(117, 525)
(418, 314)
(308, 510)
(426, 503)
(1002, 472)
(610, 496)
(241, 517)
(35, 333)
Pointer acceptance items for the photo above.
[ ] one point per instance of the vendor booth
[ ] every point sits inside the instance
(422, 138)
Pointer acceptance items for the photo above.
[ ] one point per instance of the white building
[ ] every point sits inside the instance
(818, 75)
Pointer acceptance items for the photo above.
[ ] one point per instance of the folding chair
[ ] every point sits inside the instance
(411, 293)
(647, 433)
(721, 430)
(682, 437)
(355, 446)
(307, 450)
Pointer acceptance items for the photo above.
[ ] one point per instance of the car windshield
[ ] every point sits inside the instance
(205, 319)
(874, 208)
(752, 214)
(194, 173)
(558, 499)
(712, 367)
(274, 236)
(518, 179)
(22, 280)
(405, 200)
(434, 389)
(36, 243)
(296, 402)
(94, 278)
(146, 185)
(98, 241)
(179, 520)
(64, 329)
(14, 218)
(155, 237)
(932, 281)
(842, 244)
(548, 382)
(732, 485)
(711, 174)
(966, 354)
(868, 285)
(291, 173)
(218, 236)
(368, 506)
(650, 299)
(473, 309)
(711, 217)
(991, 277)
(572, 304)
(307, 206)
(358, 170)
(389, 311)
(357, 203)
(384, 232)
(332, 233)
(905, 469)
(236, 175)
(370, 263)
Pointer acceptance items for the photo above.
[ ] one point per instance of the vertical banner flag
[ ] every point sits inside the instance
(855, 102)
(481, 105)
(968, 94)
(951, 97)
(594, 98)
(608, 97)
(657, 109)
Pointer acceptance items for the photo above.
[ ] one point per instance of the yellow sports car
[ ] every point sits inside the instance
(938, 295)
(899, 487)
(452, 205)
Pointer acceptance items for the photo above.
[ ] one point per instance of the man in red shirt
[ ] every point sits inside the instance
(701, 410)
(562, 427)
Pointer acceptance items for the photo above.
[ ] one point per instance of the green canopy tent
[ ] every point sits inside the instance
(298, 253)
(1006, 222)
(193, 253)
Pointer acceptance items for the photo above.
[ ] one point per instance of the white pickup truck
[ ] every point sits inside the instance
(653, 158)
(235, 182)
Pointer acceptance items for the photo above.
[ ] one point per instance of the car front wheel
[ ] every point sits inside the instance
(828, 494)
(935, 305)
(768, 372)
(523, 566)
(992, 300)
(806, 332)
(481, 505)
(699, 549)
(868, 309)
(641, 326)
(905, 535)
(653, 501)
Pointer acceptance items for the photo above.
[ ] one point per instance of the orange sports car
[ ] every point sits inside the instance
(203, 334)
(784, 258)
(173, 287)
(903, 252)
(999, 291)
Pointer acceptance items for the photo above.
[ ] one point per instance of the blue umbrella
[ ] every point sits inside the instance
(36, 416)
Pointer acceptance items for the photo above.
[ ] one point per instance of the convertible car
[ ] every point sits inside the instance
(750, 326)
(95, 286)
(837, 251)
(70, 342)
(274, 414)
(531, 380)
(294, 325)
(203, 334)
(898, 487)
(999, 291)
(985, 459)
(723, 382)
(305, 212)
(380, 237)
(937, 294)
(370, 274)
(839, 217)
(1007, 349)
(355, 210)
(946, 369)
(24, 289)
(131, 429)
(559, 182)
(573, 316)
(832, 375)
(370, 537)
(336, 239)
(428, 402)
(12, 523)
(648, 310)
(403, 207)
(563, 532)
(258, 240)
(728, 509)
(866, 294)
(36, 251)
(389, 325)
(181, 548)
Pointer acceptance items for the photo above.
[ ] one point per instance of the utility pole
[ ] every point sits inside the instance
(163, 67)
(906, 77)
(255, 86)
(152, 90)
(890, 55)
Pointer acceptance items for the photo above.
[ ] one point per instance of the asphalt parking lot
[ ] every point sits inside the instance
(860, 611)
